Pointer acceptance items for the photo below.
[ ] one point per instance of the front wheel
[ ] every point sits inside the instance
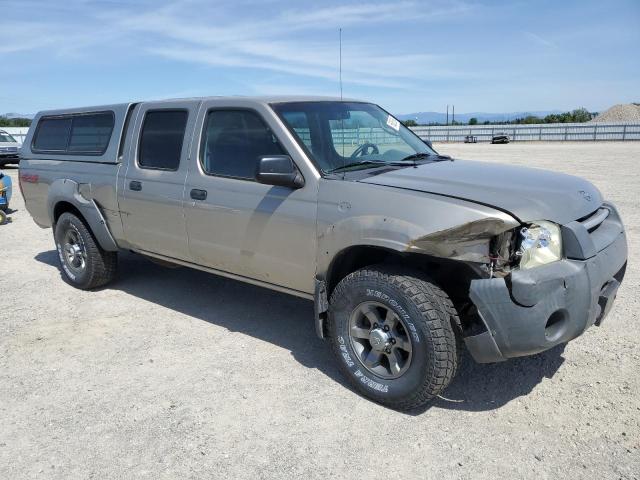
(392, 333)
(84, 263)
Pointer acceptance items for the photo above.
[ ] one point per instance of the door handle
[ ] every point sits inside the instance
(135, 185)
(198, 194)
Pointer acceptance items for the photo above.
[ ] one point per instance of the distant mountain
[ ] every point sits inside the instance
(18, 115)
(425, 118)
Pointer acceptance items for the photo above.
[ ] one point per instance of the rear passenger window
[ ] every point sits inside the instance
(52, 134)
(91, 133)
(161, 139)
(234, 140)
(78, 133)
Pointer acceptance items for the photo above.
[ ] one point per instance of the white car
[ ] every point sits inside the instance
(9, 147)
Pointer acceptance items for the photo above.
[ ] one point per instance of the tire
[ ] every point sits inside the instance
(420, 312)
(83, 262)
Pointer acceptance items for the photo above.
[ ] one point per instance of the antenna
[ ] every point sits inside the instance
(340, 33)
(340, 76)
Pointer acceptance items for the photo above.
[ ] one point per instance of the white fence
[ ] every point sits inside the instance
(483, 133)
(535, 132)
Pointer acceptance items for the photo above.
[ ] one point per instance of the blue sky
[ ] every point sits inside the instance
(405, 55)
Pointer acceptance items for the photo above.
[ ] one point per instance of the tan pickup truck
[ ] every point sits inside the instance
(408, 255)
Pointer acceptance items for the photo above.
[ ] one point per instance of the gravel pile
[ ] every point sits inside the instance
(627, 112)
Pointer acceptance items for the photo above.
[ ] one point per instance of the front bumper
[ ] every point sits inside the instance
(9, 157)
(533, 310)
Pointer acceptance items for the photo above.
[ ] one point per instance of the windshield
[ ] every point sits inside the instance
(349, 135)
(5, 137)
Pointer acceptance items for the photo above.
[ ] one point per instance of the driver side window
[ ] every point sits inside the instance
(233, 142)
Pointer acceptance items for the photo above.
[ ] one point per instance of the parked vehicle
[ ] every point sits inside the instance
(9, 148)
(5, 196)
(500, 138)
(406, 254)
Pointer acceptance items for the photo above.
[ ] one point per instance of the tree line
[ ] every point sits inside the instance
(579, 115)
(14, 122)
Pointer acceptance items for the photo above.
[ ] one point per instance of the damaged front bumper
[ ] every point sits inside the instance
(532, 310)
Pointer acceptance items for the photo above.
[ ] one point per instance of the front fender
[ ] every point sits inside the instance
(355, 214)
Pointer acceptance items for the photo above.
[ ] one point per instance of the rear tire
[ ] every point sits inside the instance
(83, 262)
(392, 333)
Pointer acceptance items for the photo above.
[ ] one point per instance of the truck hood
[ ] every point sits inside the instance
(528, 194)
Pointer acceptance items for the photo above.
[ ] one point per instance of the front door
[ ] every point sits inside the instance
(238, 225)
(152, 200)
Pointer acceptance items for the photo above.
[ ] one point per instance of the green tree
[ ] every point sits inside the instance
(473, 121)
(14, 122)
(529, 119)
(581, 115)
(410, 123)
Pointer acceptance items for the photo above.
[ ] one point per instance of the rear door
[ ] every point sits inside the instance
(152, 197)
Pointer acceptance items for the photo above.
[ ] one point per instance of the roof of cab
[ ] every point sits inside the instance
(265, 99)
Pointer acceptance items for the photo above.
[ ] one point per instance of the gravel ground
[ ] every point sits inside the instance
(174, 373)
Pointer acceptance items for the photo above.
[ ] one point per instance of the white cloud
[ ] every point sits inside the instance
(537, 39)
(294, 41)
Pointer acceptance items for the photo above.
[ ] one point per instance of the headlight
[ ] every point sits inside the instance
(541, 244)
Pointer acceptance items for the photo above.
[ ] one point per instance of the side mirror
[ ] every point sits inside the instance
(428, 142)
(279, 170)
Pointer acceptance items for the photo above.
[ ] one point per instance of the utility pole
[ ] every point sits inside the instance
(453, 115)
(447, 115)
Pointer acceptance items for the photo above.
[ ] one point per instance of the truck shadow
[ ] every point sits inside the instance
(287, 322)
(482, 387)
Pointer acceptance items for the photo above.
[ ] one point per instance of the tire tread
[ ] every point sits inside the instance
(438, 315)
(103, 264)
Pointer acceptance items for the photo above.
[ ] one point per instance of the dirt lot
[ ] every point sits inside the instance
(173, 373)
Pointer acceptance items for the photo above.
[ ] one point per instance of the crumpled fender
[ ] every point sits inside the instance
(79, 195)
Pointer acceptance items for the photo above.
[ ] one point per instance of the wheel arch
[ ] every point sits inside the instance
(68, 196)
(453, 276)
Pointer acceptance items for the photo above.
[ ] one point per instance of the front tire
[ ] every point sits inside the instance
(392, 333)
(83, 262)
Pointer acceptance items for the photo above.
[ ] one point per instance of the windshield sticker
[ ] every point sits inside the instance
(393, 123)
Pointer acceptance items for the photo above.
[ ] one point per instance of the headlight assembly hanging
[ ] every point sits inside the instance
(541, 243)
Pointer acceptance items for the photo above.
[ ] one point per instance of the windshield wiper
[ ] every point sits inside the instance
(435, 156)
(415, 156)
(398, 163)
(355, 164)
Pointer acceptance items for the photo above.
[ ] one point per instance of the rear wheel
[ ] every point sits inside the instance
(83, 262)
(392, 332)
